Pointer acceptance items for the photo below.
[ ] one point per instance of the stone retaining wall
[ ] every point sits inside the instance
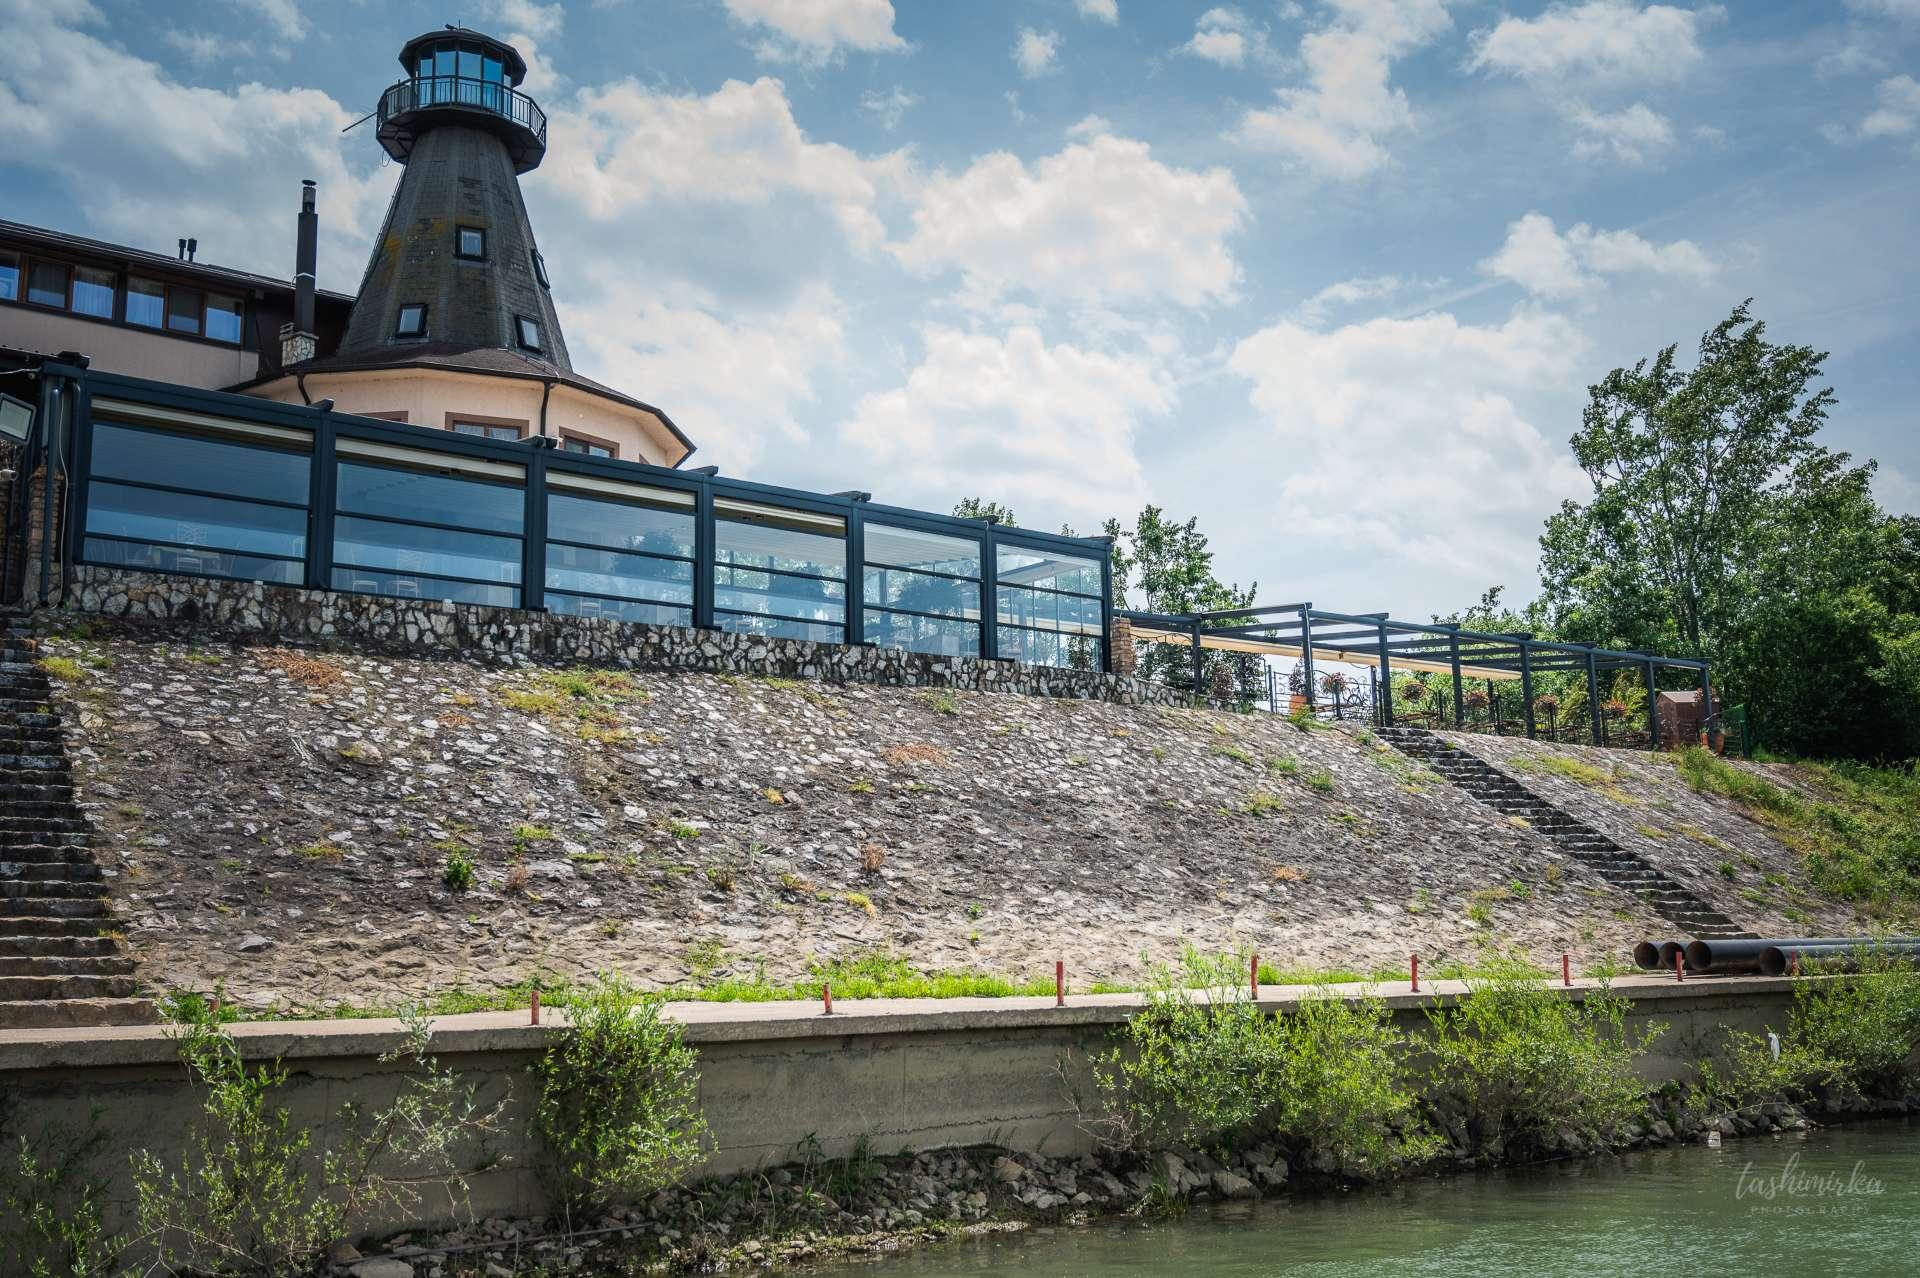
(287, 614)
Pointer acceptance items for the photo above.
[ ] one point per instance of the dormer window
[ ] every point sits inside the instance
(526, 332)
(470, 242)
(540, 269)
(413, 320)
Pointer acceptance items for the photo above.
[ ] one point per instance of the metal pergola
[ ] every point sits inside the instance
(1306, 633)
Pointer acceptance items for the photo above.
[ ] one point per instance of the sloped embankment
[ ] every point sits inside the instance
(283, 822)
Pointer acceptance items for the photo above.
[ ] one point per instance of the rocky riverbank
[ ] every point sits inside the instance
(818, 1209)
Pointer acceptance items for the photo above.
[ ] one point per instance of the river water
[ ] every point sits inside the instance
(1841, 1201)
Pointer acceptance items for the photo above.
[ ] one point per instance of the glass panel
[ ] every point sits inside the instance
(768, 545)
(924, 634)
(910, 548)
(768, 592)
(918, 592)
(412, 549)
(366, 581)
(413, 320)
(440, 499)
(470, 63)
(443, 59)
(191, 461)
(619, 525)
(608, 572)
(223, 318)
(206, 563)
(1023, 567)
(778, 628)
(1045, 648)
(183, 310)
(93, 292)
(652, 614)
(149, 514)
(146, 303)
(584, 448)
(486, 430)
(1048, 611)
(473, 243)
(47, 284)
(529, 332)
(490, 69)
(10, 277)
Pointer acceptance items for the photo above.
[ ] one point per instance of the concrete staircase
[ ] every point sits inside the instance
(59, 964)
(1619, 866)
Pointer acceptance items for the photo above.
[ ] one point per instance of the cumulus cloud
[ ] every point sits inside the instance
(1335, 125)
(1440, 400)
(282, 17)
(1107, 11)
(1636, 135)
(889, 108)
(1349, 293)
(1036, 52)
(1548, 264)
(1614, 40)
(1899, 109)
(1045, 428)
(817, 31)
(530, 17)
(1100, 222)
(623, 146)
(164, 159)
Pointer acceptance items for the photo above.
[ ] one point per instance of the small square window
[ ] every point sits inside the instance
(223, 318)
(526, 332)
(413, 320)
(540, 269)
(573, 444)
(47, 284)
(486, 430)
(183, 310)
(93, 292)
(471, 242)
(146, 303)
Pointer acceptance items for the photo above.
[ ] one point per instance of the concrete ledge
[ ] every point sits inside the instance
(742, 1023)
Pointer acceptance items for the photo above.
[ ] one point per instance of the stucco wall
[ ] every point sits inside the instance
(136, 352)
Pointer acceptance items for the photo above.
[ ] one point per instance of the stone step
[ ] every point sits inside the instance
(35, 853)
(47, 871)
(16, 946)
(52, 907)
(14, 988)
(55, 925)
(78, 1013)
(50, 889)
(66, 965)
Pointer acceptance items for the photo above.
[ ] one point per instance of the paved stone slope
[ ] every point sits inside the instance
(281, 821)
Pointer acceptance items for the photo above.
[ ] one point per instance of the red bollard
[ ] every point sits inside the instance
(1414, 960)
(1059, 983)
(1679, 966)
(826, 997)
(535, 1007)
(1566, 970)
(1253, 976)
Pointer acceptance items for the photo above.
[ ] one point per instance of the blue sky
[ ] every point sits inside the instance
(1332, 275)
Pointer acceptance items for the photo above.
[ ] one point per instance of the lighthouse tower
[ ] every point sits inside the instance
(454, 325)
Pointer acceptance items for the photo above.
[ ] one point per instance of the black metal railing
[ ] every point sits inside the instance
(464, 91)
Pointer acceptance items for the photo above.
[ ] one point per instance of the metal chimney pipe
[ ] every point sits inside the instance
(306, 260)
(193, 246)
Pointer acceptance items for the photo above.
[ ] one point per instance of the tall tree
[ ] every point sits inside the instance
(1166, 566)
(980, 508)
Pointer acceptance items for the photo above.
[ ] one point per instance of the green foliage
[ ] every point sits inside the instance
(65, 669)
(52, 1201)
(991, 511)
(458, 873)
(1168, 565)
(1329, 1080)
(618, 1113)
(1521, 1062)
(255, 1193)
(1320, 780)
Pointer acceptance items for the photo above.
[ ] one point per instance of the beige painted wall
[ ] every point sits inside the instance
(427, 396)
(136, 352)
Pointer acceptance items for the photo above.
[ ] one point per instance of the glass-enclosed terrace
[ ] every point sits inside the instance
(214, 485)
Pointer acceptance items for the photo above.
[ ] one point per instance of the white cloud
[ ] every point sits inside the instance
(732, 382)
(623, 146)
(1100, 222)
(202, 47)
(1353, 292)
(1904, 9)
(1335, 125)
(889, 108)
(1636, 135)
(1406, 436)
(530, 17)
(1548, 264)
(283, 17)
(164, 159)
(1899, 109)
(1225, 36)
(1047, 429)
(1616, 40)
(1090, 126)
(1036, 52)
(1107, 11)
(817, 31)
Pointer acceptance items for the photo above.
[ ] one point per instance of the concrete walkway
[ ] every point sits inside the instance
(750, 1022)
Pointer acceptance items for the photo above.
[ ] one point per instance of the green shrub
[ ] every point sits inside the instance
(52, 1201)
(1521, 1063)
(618, 1114)
(1345, 1093)
(458, 873)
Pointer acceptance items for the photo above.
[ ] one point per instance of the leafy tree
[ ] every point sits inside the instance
(1167, 566)
(980, 508)
(1720, 527)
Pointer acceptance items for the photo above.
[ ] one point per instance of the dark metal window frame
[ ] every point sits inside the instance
(400, 328)
(517, 587)
(460, 233)
(981, 622)
(326, 427)
(521, 323)
(693, 580)
(123, 277)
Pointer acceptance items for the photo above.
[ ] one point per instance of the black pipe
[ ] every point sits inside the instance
(1653, 955)
(306, 260)
(1743, 954)
(1778, 960)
